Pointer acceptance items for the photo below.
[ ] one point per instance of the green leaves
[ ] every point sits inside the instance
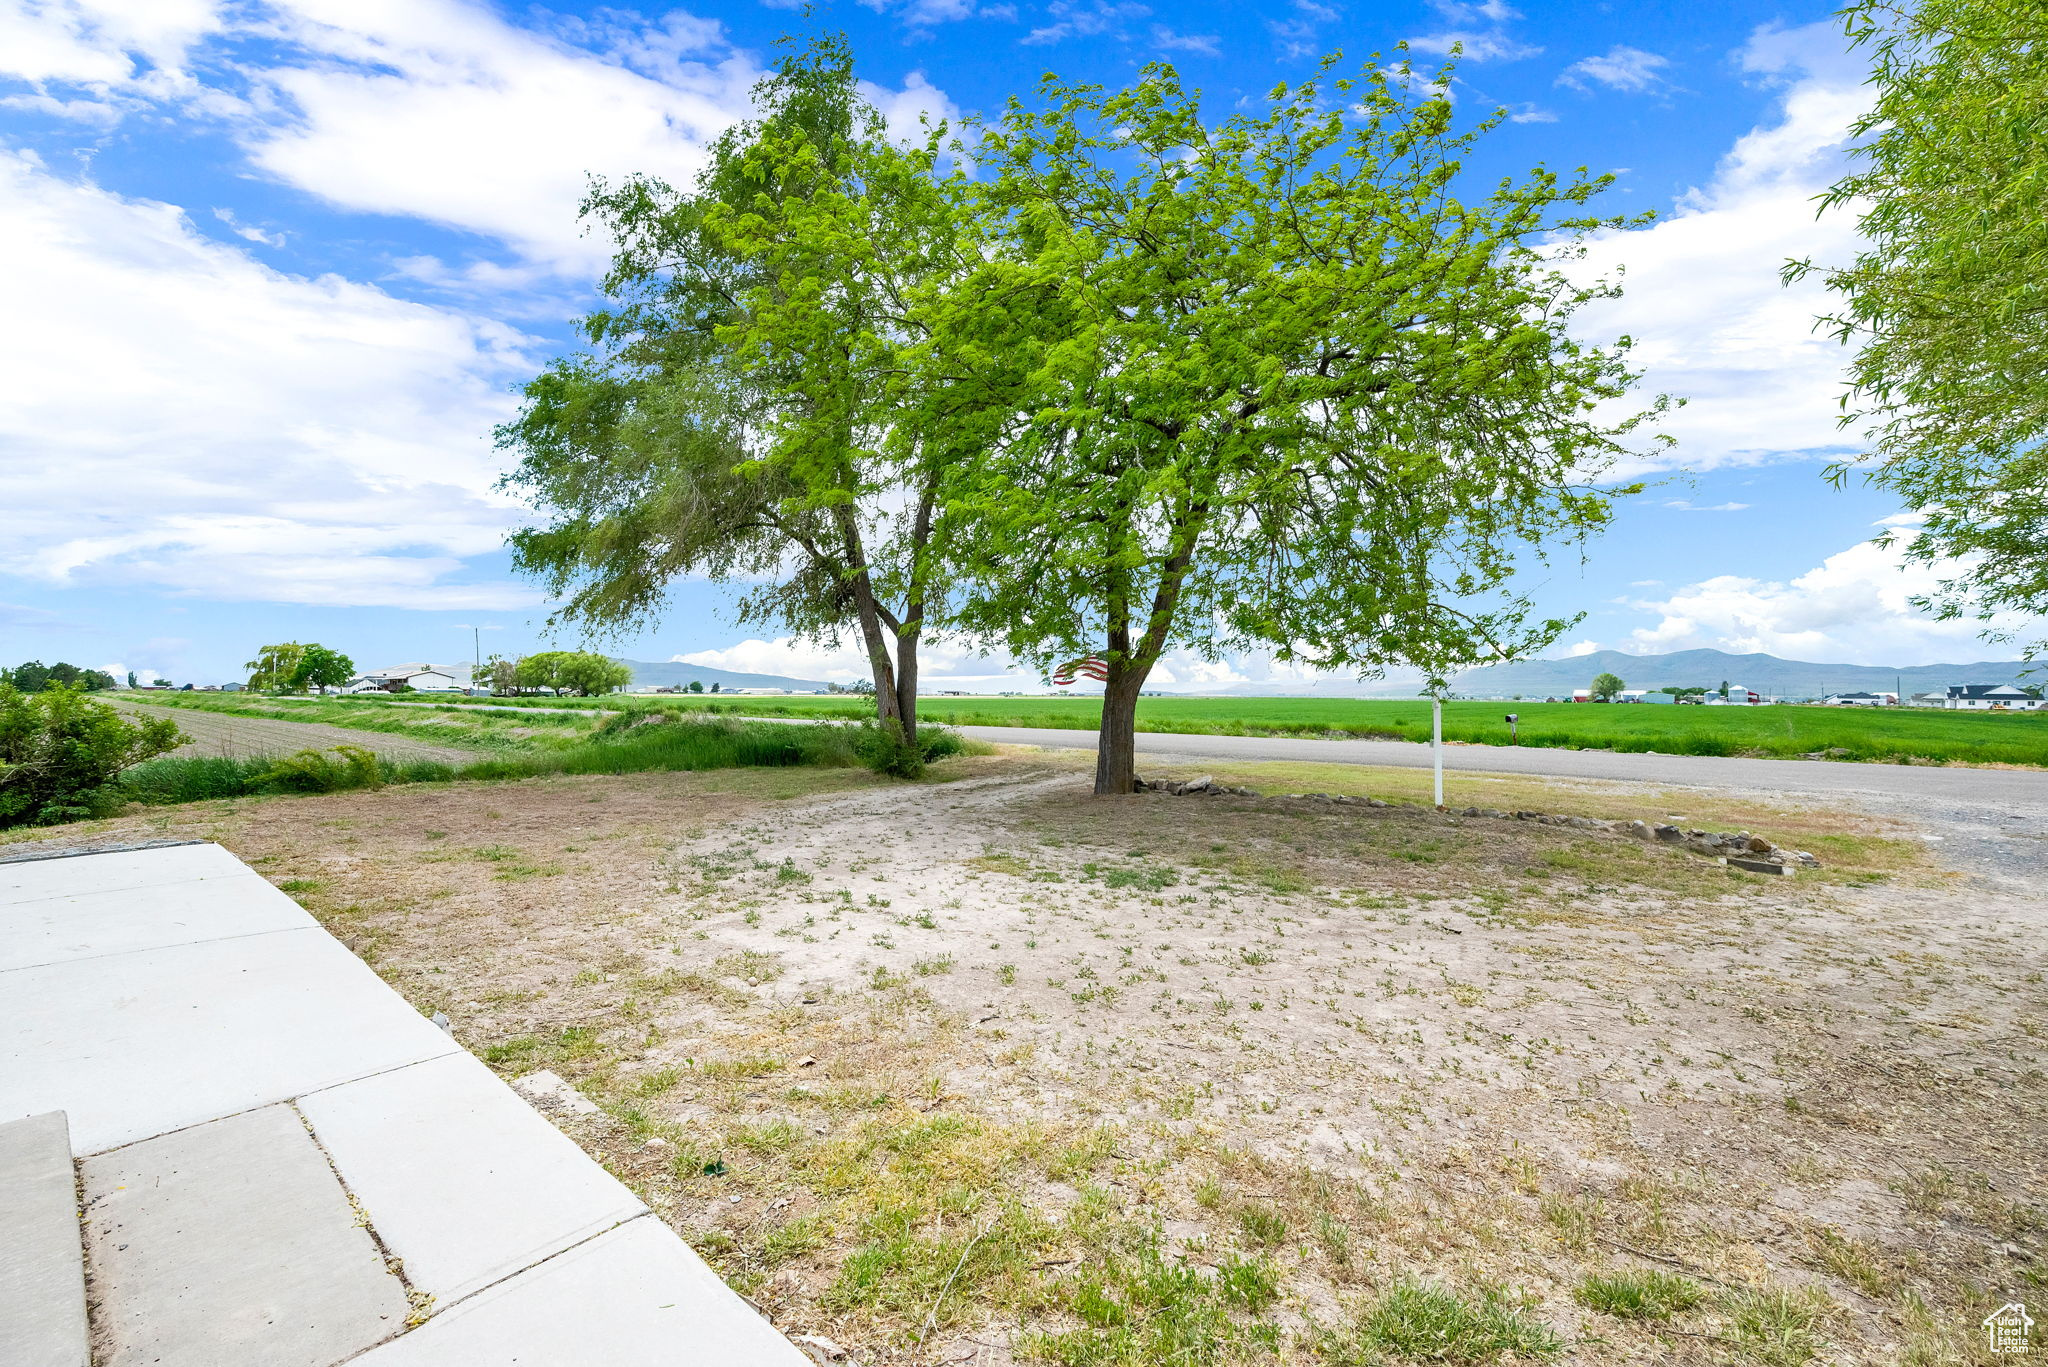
(60, 754)
(1948, 305)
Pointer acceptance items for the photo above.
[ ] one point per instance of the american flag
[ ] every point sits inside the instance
(1088, 666)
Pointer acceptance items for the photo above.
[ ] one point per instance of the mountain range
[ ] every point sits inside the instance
(670, 673)
(1766, 674)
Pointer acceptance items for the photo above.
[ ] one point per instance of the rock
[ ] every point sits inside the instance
(657, 1143)
(1757, 844)
(807, 1061)
(441, 1019)
(546, 1091)
(1669, 835)
(1803, 859)
(820, 1348)
(1639, 829)
(1759, 865)
(1375, 802)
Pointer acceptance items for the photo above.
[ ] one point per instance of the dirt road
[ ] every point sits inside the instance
(243, 737)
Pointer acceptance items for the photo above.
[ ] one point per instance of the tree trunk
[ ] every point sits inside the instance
(1116, 745)
(906, 681)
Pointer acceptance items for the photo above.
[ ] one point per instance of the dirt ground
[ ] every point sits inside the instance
(216, 733)
(985, 1070)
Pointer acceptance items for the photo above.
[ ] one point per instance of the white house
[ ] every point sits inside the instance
(1985, 697)
(1738, 696)
(1861, 700)
(1645, 695)
(421, 678)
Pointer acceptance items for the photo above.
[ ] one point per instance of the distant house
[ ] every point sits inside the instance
(1861, 700)
(1932, 699)
(1738, 696)
(1649, 695)
(421, 678)
(1990, 697)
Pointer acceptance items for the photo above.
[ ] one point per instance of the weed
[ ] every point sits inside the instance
(1431, 1323)
(1637, 1295)
(1777, 1327)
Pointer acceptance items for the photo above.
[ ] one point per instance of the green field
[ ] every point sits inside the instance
(1906, 735)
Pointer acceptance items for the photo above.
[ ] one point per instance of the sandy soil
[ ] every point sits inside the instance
(215, 733)
(944, 1070)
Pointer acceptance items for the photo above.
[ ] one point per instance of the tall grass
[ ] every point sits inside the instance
(627, 745)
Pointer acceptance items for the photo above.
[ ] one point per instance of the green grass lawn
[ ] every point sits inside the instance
(1894, 735)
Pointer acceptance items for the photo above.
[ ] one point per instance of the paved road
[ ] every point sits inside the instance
(2000, 787)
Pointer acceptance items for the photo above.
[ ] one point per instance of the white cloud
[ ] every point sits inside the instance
(1478, 31)
(103, 44)
(430, 109)
(1579, 648)
(1684, 506)
(1852, 608)
(1620, 68)
(1711, 320)
(186, 417)
(1167, 40)
(1085, 19)
(438, 110)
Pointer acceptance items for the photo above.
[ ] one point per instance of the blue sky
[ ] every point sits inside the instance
(275, 270)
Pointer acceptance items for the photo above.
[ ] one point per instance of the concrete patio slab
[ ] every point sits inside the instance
(82, 875)
(469, 1184)
(42, 1267)
(53, 929)
(132, 1045)
(231, 1244)
(262, 1110)
(660, 1307)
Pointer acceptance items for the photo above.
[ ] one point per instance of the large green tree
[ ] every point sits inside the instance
(1947, 305)
(747, 410)
(1286, 386)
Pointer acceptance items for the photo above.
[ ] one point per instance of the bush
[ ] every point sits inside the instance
(311, 771)
(882, 748)
(60, 754)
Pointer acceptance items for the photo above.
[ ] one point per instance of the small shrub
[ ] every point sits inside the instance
(1777, 1327)
(312, 771)
(1639, 1295)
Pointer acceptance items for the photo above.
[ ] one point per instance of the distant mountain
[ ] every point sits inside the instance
(1767, 674)
(670, 673)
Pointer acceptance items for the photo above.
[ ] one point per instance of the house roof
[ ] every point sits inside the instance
(1987, 691)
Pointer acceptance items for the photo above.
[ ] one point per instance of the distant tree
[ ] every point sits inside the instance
(96, 680)
(63, 674)
(1606, 687)
(131, 678)
(714, 688)
(1946, 301)
(30, 677)
(499, 674)
(1724, 688)
(573, 671)
(696, 686)
(275, 669)
(321, 668)
(60, 753)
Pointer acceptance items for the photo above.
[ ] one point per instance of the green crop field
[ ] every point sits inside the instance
(1903, 735)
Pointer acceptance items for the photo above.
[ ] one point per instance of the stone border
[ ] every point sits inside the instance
(1739, 849)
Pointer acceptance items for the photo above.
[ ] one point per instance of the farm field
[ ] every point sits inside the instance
(1905, 735)
(980, 1071)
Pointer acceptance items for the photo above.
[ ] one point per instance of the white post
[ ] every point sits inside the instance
(1436, 726)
